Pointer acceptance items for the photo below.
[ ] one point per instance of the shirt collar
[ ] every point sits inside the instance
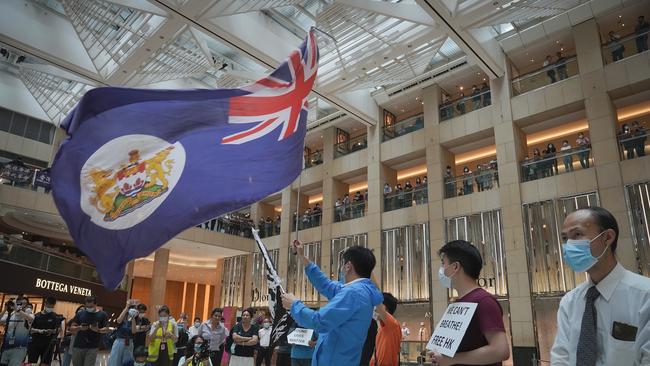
(608, 284)
(357, 280)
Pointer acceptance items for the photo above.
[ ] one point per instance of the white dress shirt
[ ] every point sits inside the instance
(265, 337)
(624, 298)
(193, 331)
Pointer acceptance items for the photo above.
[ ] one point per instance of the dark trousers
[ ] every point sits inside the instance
(283, 359)
(264, 354)
(216, 356)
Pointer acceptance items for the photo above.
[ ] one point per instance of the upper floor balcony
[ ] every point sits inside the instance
(479, 98)
(350, 145)
(617, 48)
(402, 128)
(38, 256)
(555, 70)
(313, 158)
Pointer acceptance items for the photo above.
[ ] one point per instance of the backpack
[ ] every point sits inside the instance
(229, 340)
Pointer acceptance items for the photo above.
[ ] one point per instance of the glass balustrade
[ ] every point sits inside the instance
(403, 127)
(33, 255)
(353, 145)
(313, 159)
(477, 181)
(545, 76)
(458, 107)
(307, 221)
(350, 211)
(622, 48)
(544, 166)
(403, 199)
(632, 145)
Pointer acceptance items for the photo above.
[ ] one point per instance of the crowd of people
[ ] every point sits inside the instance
(311, 217)
(234, 223)
(617, 48)
(72, 253)
(407, 196)
(350, 208)
(485, 177)
(632, 139)
(269, 227)
(556, 69)
(545, 163)
(480, 97)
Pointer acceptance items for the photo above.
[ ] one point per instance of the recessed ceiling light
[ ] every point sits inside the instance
(620, 16)
(460, 87)
(622, 24)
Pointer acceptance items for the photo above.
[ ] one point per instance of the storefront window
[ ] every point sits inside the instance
(339, 245)
(260, 288)
(550, 277)
(232, 281)
(542, 225)
(297, 282)
(406, 262)
(638, 203)
(485, 232)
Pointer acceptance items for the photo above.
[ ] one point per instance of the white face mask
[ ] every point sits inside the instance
(444, 280)
(133, 312)
(48, 310)
(135, 363)
(197, 324)
(266, 325)
(163, 318)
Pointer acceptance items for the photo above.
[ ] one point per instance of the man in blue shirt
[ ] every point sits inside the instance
(302, 355)
(342, 324)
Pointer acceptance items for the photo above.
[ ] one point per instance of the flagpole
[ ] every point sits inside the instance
(299, 187)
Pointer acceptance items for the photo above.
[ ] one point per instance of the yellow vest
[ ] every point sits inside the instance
(154, 345)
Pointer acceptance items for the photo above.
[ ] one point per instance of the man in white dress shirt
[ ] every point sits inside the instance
(605, 320)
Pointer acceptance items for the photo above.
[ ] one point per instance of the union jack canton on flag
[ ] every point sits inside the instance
(139, 166)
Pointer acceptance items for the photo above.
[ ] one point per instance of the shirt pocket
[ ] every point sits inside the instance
(619, 352)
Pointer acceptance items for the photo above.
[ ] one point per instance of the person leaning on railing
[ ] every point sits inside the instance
(640, 137)
(641, 29)
(567, 158)
(615, 45)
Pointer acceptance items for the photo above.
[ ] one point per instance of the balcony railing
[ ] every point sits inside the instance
(545, 76)
(22, 252)
(403, 199)
(231, 224)
(268, 229)
(562, 162)
(477, 181)
(633, 146)
(313, 159)
(350, 146)
(403, 127)
(625, 47)
(458, 107)
(307, 221)
(353, 210)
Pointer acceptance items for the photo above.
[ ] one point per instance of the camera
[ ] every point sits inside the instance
(204, 352)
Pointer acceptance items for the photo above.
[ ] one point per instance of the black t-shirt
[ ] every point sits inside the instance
(139, 339)
(45, 321)
(369, 344)
(245, 351)
(88, 338)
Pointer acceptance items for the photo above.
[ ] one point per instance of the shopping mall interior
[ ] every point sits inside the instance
(430, 120)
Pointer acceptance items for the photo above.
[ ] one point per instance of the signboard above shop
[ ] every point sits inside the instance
(25, 280)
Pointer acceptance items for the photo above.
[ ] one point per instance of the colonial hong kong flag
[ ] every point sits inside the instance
(140, 166)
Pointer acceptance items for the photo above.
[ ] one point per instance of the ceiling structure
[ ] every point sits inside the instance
(60, 49)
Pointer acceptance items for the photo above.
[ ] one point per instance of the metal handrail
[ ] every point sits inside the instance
(401, 123)
(472, 175)
(394, 193)
(544, 69)
(629, 37)
(450, 103)
(559, 154)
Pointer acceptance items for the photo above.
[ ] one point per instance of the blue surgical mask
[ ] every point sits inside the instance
(197, 347)
(266, 325)
(445, 281)
(577, 254)
(133, 312)
(136, 363)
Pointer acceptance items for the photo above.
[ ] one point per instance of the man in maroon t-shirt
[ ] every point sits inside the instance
(485, 341)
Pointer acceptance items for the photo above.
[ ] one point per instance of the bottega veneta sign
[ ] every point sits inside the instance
(62, 287)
